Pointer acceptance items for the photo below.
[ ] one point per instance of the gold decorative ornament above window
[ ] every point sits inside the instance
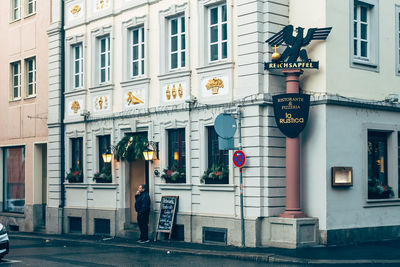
(75, 106)
(214, 85)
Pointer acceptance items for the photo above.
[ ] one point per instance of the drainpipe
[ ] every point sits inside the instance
(62, 127)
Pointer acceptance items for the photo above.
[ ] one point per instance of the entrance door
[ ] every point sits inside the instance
(137, 170)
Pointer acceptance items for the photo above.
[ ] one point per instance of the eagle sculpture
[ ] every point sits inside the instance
(295, 43)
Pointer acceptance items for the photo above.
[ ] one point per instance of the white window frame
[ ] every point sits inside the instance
(15, 10)
(29, 71)
(180, 49)
(107, 59)
(13, 76)
(77, 60)
(30, 3)
(219, 25)
(97, 35)
(204, 31)
(141, 46)
(371, 60)
(397, 38)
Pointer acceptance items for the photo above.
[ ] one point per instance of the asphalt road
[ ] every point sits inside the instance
(37, 252)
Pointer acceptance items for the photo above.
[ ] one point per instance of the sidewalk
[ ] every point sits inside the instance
(383, 252)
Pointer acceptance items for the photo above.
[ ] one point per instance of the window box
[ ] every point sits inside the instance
(104, 175)
(218, 174)
(74, 175)
(174, 175)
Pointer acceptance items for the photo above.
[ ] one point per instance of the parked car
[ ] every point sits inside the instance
(4, 242)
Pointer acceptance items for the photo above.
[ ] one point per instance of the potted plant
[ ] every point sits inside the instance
(376, 190)
(174, 175)
(104, 175)
(131, 147)
(74, 175)
(217, 174)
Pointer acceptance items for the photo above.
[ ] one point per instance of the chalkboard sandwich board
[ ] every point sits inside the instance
(168, 208)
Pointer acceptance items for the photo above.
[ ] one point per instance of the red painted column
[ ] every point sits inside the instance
(293, 209)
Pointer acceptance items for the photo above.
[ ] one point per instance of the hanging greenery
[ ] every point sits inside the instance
(131, 147)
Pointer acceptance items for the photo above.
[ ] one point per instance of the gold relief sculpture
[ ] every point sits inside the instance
(131, 99)
(75, 106)
(214, 85)
(101, 3)
(180, 91)
(101, 102)
(75, 9)
(168, 93)
(173, 91)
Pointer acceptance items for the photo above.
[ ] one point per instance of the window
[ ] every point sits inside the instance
(15, 80)
(77, 66)
(30, 64)
(105, 59)
(378, 186)
(137, 61)
(364, 33)
(218, 160)
(77, 154)
(14, 179)
(177, 53)
(16, 9)
(104, 145)
(398, 38)
(176, 154)
(218, 32)
(30, 7)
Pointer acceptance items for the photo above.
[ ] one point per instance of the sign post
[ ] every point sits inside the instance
(167, 215)
(239, 159)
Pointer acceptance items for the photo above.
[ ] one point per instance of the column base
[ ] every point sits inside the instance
(293, 233)
(293, 214)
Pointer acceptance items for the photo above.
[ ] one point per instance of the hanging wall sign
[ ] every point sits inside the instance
(291, 113)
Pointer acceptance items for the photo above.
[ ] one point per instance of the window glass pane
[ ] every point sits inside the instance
(355, 48)
(142, 50)
(77, 54)
(183, 44)
(14, 179)
(102, 45)
(377, 166)
(183, 59)
(224, 51)
(176, 153)
(142, 71)
(364, 11)
(214, 52)
(214, 34)
(77, 68)
(15, 81)
(102, 75)
(214, 15)
(355, 12)
(174, 61)
(174, 43)
(182, 24)
(16, 93)
(77, 81)
(135, 69)
(30, 77)
(355, 29)
(218, 161)
(104, 145)
(174, 26)
(135, 52)
(224, 32)
(223, 11)
(364, 49)
(135, 35)
(364, 31)
(102, 60)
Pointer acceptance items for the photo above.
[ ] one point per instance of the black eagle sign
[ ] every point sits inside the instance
(295, 43)
(291, 113)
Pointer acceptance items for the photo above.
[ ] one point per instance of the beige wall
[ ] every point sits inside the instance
(24, 122)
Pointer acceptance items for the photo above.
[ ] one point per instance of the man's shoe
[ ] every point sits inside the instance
(144, 241)
(139, 240)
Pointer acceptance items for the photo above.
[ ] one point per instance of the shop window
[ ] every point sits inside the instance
(14, 179)
(176, 171)
(75, 174)
(218, 161)
(378, 187)
(104, 172)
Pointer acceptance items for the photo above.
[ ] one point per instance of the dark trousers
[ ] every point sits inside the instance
(143, 221)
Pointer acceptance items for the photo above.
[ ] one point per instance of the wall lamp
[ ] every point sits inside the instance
(342, 176)
(150, 151)
(107, 155)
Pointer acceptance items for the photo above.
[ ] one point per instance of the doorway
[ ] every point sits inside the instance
(40, 184)
(138, 171)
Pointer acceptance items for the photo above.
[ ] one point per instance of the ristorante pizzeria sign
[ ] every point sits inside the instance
(291, 113)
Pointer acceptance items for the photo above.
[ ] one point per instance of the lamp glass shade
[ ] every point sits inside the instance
(107, 157)
(176, 155)
(148, 154)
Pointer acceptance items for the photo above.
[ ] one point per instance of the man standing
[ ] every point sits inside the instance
(142, 207)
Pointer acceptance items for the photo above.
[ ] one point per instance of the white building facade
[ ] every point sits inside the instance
(167, 69)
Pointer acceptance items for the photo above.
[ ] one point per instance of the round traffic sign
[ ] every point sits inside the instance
(225, 125)
(239, 158)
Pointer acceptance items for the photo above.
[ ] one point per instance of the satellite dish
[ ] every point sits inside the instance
(225, 125)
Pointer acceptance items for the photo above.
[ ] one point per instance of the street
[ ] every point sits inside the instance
(39, 252)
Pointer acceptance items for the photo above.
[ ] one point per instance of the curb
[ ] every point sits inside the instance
(248, 256)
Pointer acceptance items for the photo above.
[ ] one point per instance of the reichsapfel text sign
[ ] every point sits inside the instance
(291, 113)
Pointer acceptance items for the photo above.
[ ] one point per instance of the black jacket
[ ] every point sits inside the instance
(142, 203)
